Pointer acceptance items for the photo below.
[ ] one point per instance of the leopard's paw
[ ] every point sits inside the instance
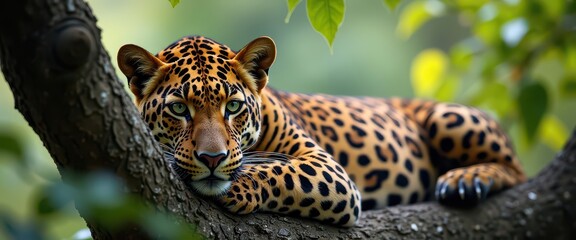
(240, 203)
(461, 188)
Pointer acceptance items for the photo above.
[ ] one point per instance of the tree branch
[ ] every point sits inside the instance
(65, 86)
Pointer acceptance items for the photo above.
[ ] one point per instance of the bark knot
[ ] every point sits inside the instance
(73, 44)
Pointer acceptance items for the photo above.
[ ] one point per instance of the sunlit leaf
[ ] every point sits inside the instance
(392, 4)
(326, 17)
(174, 2)
(291, 6)
(533, 102)
(10, 144)
(416, 14)
(553, 132)
(427, 71)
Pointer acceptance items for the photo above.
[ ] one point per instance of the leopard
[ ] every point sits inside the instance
(232, 139)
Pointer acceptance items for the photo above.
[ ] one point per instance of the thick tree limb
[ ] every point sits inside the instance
(65, 86)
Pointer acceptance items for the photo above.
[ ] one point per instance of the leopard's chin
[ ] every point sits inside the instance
(211, 186)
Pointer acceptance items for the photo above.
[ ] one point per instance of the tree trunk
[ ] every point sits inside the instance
(65, 86)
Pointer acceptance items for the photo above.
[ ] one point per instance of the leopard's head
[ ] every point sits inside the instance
(202, 102)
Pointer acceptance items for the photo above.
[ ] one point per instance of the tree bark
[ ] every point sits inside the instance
(65, 87)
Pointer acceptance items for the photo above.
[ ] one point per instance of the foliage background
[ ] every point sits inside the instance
(451, 50)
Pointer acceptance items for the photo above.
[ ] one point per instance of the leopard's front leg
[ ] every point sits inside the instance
(312, 185)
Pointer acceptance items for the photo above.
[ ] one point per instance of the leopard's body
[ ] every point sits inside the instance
(251, 147)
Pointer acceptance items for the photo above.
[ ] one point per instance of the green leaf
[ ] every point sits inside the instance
(392, 4)
(533, 102)
(10, 144)
(291, 6)
(45, 206)
(326, 17)
(174, 2)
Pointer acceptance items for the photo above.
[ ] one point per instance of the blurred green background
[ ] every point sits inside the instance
(462, 51)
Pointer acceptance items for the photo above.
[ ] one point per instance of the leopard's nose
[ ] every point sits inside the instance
(211, 159)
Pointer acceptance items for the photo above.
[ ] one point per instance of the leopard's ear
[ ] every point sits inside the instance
(143, 70)
(255, 59)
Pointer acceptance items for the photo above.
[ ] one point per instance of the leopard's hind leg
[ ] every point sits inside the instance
(473, 155)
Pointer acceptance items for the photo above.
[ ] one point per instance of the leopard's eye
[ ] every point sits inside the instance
(233, 106)
(178, 109)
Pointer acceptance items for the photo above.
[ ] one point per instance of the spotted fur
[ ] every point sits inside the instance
(250, 147)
